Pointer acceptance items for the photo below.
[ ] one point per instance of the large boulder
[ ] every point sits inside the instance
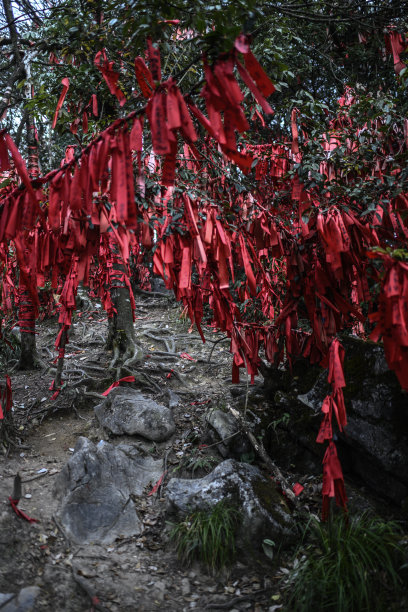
(96, 489)
(263, 511)
(374, 445)
(127, 411)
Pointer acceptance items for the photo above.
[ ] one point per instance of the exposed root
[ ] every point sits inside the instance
(169, 343)
(38, 364)
(155, 294)
(83, 583)
(94, 394)
(215, 342)
(165, 354)
(115, 358)
(133, 354)
(174, 373)
(48, 351)
(94, 367)
(83, 381)
(151, 384)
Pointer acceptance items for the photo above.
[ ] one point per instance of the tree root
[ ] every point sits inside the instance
(115, 358)
(164, 354)
(94, 394)
(96, 368)
(133, 354)
(83, 381)
(215, 342)
(48, 351)
(156, 294)
(151, 384)
(91, 594)
(173, 372)
(169, 343)
(38, 364)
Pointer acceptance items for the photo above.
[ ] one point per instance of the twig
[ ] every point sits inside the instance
(261, 452)
(36, 476)
(230, 604)
(221, 441)
(60, 529)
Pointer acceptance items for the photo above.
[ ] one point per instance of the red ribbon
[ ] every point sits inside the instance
(157, 485)
(20, 513)
(117, 383)
(65, 83)
(297, 488)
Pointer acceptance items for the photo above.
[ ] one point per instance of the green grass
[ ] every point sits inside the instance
(197, 460)
(207, 536)
(344, 567)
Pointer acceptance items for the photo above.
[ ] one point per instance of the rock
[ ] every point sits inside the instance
(264, 513)
(23, 602)
(185, 587)
(158, 286)
(127, 411)
(374, 445)
(4, 597)
(159, 590)
(173, 398)
(232, 443)
(96, 488)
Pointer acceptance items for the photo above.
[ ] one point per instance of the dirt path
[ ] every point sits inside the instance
(137, 573)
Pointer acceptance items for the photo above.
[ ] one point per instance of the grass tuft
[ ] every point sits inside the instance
(207, 536)
(346, 567)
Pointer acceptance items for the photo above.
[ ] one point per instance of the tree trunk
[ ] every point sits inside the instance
(29, 358)
(121, 336)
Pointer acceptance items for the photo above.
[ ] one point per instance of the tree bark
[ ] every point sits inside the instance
(29, 358)
(121, 335)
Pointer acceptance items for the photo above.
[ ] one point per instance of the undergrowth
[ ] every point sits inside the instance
(346, 566)
(207, 536)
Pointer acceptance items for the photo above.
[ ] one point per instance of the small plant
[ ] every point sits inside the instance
(346, 567)
(282, 420)
(207, 536)
(197, 460)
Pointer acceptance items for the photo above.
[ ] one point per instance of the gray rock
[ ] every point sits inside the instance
(173, 399)
(96, 488)
(374, 445)
(4, 597)
(127, 411)
(232, 442)
(159, 590)
(264, 513)
(185, 587)
(23, 602)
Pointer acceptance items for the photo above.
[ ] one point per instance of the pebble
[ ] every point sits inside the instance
(159, 590)
(185, 587)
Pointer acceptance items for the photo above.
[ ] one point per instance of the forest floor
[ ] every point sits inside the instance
(140, 573)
